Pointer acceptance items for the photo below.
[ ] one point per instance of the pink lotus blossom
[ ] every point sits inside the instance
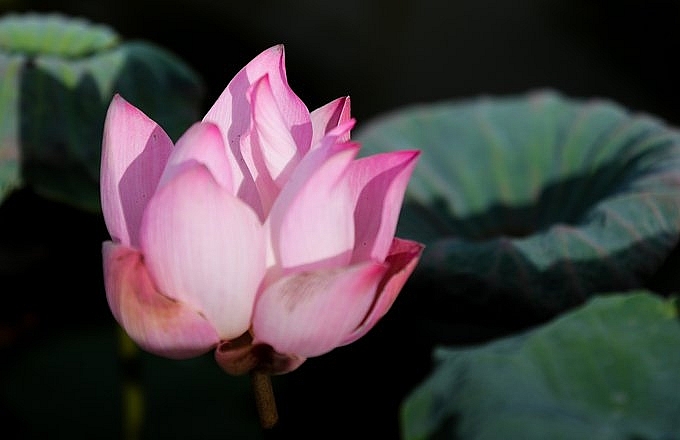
(259, 234)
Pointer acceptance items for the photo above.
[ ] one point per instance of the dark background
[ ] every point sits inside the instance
(388, 53)
(383, 53)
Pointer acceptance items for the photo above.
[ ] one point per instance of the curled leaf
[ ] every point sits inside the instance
(536, 201)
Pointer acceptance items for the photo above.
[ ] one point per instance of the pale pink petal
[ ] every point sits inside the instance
(273, 150)
(293, 110)
(378, 183)
(328, 117)
(310, 313)
(201, 144)
(402, 260)
(232, 113)
(311, 223)
(134, 152)
(338, 134)
(205, 247)
(158, 324)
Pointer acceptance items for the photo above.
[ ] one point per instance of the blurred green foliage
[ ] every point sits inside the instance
(58, 76)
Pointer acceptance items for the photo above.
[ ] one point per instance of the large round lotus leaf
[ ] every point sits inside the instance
(535, 200)
(608, 370)
(58, 77)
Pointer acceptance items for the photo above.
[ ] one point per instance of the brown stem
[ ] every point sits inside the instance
(264, 398)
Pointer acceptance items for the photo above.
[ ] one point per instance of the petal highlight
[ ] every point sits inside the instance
(311, 223)
(205, 247)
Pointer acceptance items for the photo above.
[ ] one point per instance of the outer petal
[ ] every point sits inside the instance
(134, 152)
(328, 117)
(402, 259)
(201, 144)
(311, 223)
(310, 313)
(157, 323)
(205, 247)
(378, 184)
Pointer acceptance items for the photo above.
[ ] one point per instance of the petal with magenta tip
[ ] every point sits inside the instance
(378, 184)
(134, 152)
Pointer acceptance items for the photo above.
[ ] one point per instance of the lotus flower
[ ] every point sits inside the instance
(259, 234)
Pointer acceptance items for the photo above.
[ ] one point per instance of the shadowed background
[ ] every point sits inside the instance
(390, 53)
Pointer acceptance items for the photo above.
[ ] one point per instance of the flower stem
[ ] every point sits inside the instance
(133, 393)
(264, 398)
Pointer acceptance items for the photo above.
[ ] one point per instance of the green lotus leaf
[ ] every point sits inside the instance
(10, 174)
(59, 75)
(536, 201)
(53, 34)
(607, 370)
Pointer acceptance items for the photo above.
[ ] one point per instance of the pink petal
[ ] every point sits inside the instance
(157, 323)
(293, 110)
(232, 113)
(201, 144)
(310, 313)
(378, 183)
(134, 152)
(311, 223)
(328, 117)
(273, 149)
(205, 247)
(338, 134)
(402, 260)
